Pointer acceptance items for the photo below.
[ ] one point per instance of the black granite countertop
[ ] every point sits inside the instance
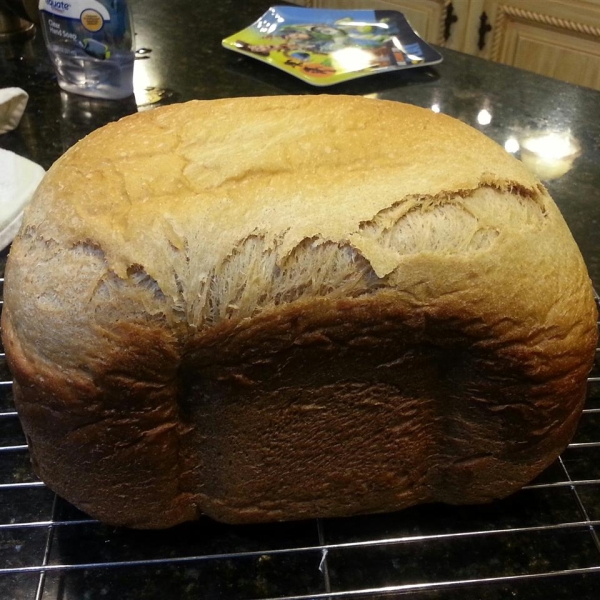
(540, 543)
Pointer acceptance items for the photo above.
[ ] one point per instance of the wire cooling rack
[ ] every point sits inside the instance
(542, 542)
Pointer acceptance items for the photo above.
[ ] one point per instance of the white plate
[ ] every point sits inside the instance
(19, 178)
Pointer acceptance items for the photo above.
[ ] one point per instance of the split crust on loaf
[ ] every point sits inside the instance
(291, 307)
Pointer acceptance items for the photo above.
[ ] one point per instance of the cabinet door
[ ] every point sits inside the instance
(425, 16)
(559, 39)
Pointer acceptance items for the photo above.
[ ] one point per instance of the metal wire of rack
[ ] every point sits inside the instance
(542, 542)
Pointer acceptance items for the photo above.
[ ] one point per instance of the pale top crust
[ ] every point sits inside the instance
(211, 174)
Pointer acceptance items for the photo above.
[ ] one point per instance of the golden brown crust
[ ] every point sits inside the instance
(197, 322)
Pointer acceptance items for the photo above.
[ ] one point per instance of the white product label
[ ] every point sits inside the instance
(74, 9)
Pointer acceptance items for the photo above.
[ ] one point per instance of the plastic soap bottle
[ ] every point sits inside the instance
(91, 45)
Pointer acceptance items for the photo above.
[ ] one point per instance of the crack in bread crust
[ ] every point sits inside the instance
(256, 275)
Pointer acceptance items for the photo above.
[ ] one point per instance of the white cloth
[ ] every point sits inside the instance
(19, 178)
(12, 106)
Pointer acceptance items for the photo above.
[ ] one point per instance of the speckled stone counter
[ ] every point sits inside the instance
(49, 551)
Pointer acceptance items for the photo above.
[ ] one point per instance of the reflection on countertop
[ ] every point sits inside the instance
(549, 155)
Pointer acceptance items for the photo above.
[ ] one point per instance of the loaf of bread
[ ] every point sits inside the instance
(278, 308)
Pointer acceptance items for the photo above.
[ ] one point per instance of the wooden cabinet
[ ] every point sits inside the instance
(557, 38)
